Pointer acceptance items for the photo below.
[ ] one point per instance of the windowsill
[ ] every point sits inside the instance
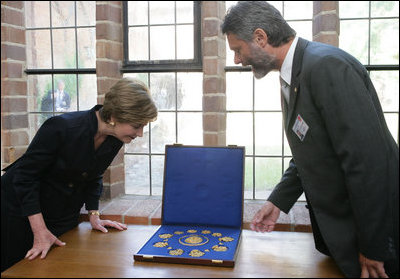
(146, 210)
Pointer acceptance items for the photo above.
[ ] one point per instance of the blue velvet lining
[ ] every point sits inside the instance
(203, 186)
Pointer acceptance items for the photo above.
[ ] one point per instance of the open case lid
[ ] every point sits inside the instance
(203, 185)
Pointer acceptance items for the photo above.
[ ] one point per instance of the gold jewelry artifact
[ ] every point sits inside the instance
(219, 248)
(225, 238)
(205, 232)
(192, 231)
(216, 234)
(176, 252)
(196, 253)
(193, 240)
(178, 232)
(160, 244)
(165, 235)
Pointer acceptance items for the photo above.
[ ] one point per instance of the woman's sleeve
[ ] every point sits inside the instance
(40, 155)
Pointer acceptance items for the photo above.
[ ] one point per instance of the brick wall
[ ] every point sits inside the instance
(214, 95)
(109, 57)
(14, 118)
(326, 23)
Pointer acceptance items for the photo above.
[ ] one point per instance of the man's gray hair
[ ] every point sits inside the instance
(245, 17)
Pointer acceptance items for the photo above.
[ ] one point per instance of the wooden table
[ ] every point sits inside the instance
(90, 253)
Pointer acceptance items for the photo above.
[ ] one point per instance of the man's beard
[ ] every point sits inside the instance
(262, 63)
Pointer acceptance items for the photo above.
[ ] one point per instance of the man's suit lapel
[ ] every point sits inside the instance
(295, 81)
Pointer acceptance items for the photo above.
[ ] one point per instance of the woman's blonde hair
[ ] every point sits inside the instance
(129, 101)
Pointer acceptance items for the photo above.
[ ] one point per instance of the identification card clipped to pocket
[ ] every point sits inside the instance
(300, 127)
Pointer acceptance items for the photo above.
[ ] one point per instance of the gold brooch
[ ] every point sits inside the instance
(165, 235)
(196, 253)
(193, 240)
(219, 248)
(160, 244)
(176, 252)
(225, 238)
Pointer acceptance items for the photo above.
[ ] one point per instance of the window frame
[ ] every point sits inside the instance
(76, 72)
(176, 65)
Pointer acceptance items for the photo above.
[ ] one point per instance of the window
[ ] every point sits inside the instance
(161, 36)
(61, 58)
(162, 48)
(254, 116)
(376, 45)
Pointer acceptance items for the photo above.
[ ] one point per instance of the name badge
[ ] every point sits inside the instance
(300, 127)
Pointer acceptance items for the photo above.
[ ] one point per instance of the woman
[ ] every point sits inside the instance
(43, 192)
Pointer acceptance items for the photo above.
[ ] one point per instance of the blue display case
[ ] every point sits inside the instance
(202, 207)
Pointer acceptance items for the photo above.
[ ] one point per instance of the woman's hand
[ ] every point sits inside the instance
(371, 268)
(43, 239)
(98, 224)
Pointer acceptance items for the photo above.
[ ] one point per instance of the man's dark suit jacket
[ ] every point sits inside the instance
(346, 161)
(60, 171)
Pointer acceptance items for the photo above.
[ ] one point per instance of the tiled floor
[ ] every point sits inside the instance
(144, 210)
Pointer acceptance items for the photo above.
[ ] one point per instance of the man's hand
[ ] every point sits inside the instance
(265, 218)
(371, 268)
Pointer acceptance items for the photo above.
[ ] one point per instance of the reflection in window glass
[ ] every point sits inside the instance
(184, 42)
(162, 12)
(268, 173)
(248, 178)
(392, 120)
(38, 54)
(239, 88)
(137, 179)
(138, 13)
(190, 91)
(52, 45)
(303, 29)
(140, 144)
(87, 90)
(63, 13)
(138, 43)
(86, 47)
(184, 11)
(64, 48)
(157, 174)
(267, 93)
(163, 132)
(37, 14)
(64, 93)
(384, 8)
(268, 135)
(298, 10)
(386, 84)
(239, 130)
(166, 49)
(190, 128)
(353, 9)
(162, 87)
(168, 33)
(85, 15)
(355, 45)
(385, 41)
(38, 86)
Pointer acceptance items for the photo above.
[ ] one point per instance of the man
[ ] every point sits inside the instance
(62, 100)
(344, 158)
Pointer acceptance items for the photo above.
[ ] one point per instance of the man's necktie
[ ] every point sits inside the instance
(285, 89)
(285, 93)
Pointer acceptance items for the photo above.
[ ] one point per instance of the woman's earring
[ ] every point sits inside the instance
(111, 123)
